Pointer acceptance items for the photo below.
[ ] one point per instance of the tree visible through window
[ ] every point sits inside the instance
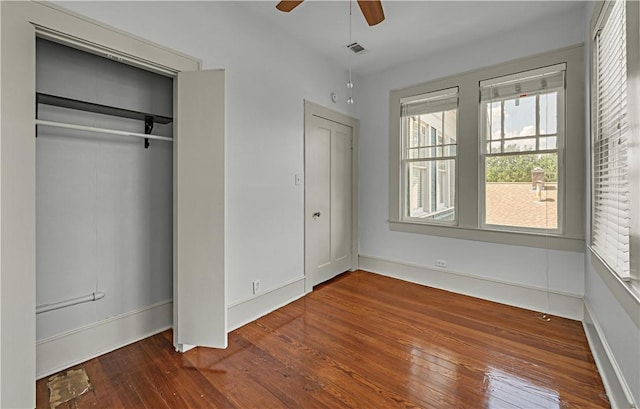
(522, 135)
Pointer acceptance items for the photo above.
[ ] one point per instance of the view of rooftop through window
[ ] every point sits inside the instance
(521, 161)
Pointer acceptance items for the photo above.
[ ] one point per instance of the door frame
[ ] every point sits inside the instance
(312, 109)
(21, 22)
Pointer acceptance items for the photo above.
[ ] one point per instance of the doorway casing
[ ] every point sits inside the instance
(314, 110)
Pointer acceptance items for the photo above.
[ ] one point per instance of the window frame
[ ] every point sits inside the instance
(468, 224)
(559, 151)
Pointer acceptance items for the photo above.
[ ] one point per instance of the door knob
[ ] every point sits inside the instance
(316, 215)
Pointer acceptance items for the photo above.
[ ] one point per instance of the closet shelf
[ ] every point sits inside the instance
(63, 102)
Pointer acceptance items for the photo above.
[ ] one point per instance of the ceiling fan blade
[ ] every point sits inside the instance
(287, 6)
(372, 11)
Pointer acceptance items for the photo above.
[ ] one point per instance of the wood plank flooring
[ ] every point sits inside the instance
(361, 341)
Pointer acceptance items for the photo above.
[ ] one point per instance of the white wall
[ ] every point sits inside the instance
(519, 265)
(268, 76)
(103, 203)
(0, 220)
(620, 332)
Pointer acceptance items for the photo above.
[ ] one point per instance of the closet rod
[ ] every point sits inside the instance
(68, 303)
(101, 130)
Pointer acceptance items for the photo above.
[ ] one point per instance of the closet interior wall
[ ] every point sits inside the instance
(103, 202)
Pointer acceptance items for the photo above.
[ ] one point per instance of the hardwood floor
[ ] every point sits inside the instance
(361, 341)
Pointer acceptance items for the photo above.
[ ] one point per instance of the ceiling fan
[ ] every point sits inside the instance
(371, 9)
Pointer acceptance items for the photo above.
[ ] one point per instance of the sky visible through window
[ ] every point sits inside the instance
(513, 197)
(520, 121)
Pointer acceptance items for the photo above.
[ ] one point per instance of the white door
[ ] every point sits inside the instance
(328, 199)
(200, 310)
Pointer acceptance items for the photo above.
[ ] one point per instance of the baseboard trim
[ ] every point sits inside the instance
(248, 310)
(71, 348)
(615, 385)
(553, 302)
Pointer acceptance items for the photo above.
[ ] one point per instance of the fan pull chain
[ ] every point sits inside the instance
(349, 83)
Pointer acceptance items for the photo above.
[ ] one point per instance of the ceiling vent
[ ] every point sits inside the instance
(356, 48)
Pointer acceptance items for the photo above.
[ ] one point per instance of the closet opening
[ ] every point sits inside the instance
(161, 274)
(104, 189)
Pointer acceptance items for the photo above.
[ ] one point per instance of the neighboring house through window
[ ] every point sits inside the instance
(429, 124)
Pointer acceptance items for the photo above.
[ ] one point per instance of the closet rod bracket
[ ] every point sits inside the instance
(148, 127)
(36, 117)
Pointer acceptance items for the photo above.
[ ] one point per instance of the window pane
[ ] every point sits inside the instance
(450, 150)
(450, 126)
(549, 113)
(431, 189)
(438, 128)
(434, 122)
(494, 147)
(520, 145)
(425, 153)
(416, 184)
(412, 127)
(522, 190)
(520, 117)
(550, 142)
(494, 120)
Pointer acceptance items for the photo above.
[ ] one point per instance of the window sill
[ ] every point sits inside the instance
(627, 294)
(527, 239)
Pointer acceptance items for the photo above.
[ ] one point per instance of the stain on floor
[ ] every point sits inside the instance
(67, 386)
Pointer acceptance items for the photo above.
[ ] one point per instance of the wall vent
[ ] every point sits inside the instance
(356, 48)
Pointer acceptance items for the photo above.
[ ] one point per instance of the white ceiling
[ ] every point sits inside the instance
(412, 29)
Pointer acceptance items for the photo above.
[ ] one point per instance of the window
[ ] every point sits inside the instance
(429, 144)
(522, 137)
(450, 140)
(610, 185)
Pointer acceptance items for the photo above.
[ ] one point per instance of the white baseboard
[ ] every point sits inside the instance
(71, 348)
(614, 383)
(517, 295)
(245, 311)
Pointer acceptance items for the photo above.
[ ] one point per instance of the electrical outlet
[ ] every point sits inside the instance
(256, 286)
(441, 263)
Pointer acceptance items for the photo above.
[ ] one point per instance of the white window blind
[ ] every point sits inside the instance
(437, 101)
(610, 202)
(535, 81)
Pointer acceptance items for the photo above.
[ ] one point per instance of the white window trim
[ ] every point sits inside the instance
(468, 204)
(560, 150)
